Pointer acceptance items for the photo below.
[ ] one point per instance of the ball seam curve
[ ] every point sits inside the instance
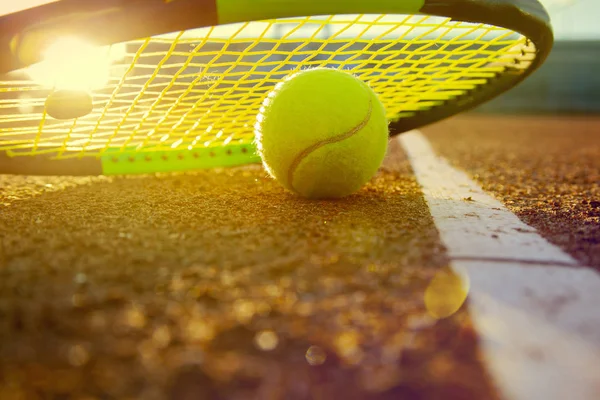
(343, 136)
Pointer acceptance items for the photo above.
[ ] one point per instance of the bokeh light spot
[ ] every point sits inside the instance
(446, 293)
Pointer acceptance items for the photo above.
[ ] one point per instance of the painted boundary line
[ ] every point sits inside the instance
(536, 311)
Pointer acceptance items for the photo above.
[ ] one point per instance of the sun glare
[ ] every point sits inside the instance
(71, 63)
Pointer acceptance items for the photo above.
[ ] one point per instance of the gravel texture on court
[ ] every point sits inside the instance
(545, 169)
(221, 285)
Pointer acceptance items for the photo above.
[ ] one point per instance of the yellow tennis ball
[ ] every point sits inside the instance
(322, 133)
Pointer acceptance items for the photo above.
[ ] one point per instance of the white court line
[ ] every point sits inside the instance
(537, 313)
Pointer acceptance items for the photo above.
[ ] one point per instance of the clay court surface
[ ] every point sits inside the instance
(221, 285)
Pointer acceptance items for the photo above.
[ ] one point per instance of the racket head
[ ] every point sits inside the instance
(185, 98)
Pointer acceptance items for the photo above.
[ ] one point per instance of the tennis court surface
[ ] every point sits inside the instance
(220, 284)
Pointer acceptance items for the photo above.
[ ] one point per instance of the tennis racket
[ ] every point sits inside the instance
(143, 86)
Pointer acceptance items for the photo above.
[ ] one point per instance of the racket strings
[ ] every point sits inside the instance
(203, 88)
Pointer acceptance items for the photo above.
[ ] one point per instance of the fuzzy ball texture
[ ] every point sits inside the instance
(322, 133)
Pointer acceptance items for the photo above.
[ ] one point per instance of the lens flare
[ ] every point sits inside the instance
(446, 293)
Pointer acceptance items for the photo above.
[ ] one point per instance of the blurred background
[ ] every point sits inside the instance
(569, 81)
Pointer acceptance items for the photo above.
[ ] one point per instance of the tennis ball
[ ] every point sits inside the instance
(322, 133)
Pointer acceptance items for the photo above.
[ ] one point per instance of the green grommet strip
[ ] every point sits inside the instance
(121, 162)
